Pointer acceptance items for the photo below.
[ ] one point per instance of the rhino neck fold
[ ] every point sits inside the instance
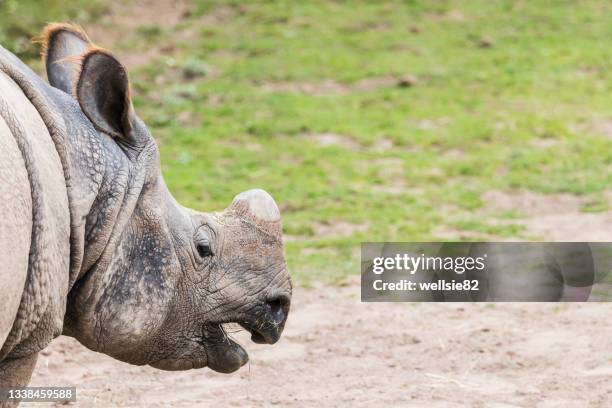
(102, 184)
(110, 213)
(102, 188)
(107, 221)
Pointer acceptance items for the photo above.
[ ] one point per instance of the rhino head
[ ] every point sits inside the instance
(158, 283)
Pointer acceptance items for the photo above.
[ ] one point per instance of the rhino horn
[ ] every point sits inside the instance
(258, 203)
(259, 206)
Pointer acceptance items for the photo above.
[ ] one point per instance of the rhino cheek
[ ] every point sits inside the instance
(129, 324)
(132, 304)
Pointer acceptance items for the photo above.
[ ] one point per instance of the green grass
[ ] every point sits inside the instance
(23, 20)
(503, 96)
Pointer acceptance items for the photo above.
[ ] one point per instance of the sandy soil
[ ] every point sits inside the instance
(553, 217)
(337, 351)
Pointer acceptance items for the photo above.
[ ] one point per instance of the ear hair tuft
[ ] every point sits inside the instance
(52, 29)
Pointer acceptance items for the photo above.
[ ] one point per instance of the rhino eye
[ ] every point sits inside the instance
(204, 250)
(202, 245)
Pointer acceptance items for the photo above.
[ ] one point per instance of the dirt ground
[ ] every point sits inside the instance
(337, 351)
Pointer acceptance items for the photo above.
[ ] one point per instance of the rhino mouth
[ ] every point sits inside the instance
(217, 350)
(224, 353)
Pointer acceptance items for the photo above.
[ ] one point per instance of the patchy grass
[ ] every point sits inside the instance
(23, 20)
(394, 118)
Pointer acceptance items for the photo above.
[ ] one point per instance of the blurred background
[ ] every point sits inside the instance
(366, 120)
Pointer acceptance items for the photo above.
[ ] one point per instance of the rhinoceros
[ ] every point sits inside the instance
(94, 246)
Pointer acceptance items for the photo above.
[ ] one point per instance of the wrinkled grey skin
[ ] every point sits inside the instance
(92, 244)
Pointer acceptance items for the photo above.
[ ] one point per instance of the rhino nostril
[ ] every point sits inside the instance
(278, 307)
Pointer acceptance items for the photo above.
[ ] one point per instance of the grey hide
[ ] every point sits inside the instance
(92, 244)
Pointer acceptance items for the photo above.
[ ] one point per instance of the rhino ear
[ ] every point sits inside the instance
(103, 91)
(62, 44)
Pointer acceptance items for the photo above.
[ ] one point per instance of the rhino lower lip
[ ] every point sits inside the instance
(224, 355)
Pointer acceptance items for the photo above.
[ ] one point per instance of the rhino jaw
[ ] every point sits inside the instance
(216, 349)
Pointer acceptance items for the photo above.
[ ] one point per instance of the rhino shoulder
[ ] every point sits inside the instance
(36, 226)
